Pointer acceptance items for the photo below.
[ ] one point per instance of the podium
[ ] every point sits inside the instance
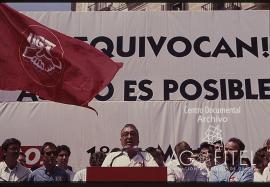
(126, 174)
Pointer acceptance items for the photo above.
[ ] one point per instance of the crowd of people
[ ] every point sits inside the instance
(213, 162)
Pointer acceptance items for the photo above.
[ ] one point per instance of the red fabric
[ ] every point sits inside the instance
(50, 64)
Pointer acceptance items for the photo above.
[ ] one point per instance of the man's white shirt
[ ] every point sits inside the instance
(80, 176)
(177, 173)
(19, 173)
(266, 173)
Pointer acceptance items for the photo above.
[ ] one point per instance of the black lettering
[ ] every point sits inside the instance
(146, 90)
(168, 89)
(253, 49)
(197, 46)
(104, 149)
(108, 95)
(142, 46)
(132, 46)
(235, 89)
(172, 51)
(223, 90)
(156, 47)
(128, 90)
(197, 93)
(24, 94)
(168, 153)
(91, 150)
(105, 40)
(227, 49)
(249, 94)
(211, 89)
(263, 88)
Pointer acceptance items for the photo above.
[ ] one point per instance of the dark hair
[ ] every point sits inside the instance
(259, 156)
(209, 147)
(97, 158)
(204, 145)
(219, 142)
(240, 144)
(132, 126)
(50, 144)
(153, 151)
(267, 142)
(196, 151)
(180, 147)
(63, 148)
(10, 141)
(247, 160)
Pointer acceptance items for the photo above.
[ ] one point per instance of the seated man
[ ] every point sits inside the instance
(232, 170)
(10, 168)
(63, 154)
(130, 155)
(49, 171)
(96, 160)
(183, 168)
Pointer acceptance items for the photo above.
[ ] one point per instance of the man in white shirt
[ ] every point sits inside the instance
(266, 173)
(183, 168)
(10, 168)
(96, 160)
(130, 155)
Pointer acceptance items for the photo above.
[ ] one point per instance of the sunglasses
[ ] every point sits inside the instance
(49, 153)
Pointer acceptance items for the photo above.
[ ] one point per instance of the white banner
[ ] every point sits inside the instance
(221, 55)
(160, 123)
(195, 76)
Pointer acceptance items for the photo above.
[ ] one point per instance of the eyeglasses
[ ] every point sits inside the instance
(131, 133)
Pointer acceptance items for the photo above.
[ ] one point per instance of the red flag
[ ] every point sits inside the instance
(50, 64)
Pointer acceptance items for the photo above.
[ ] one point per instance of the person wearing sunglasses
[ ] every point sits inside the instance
(49, 171)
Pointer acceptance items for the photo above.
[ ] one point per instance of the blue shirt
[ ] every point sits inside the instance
(41, 174)
(221, 173)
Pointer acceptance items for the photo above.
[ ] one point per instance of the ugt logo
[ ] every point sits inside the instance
(41, 54)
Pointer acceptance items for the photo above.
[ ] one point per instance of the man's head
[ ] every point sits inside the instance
(129, 136)
(219, 148)
(49, 154)
(183, 152)
(233, 149)
(22, 159)
(267, 144)
(63, 153)
(206, 148)
(11, 149)
(96, 159)
(260, 159)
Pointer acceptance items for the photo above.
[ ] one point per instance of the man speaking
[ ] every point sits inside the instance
(130, 155)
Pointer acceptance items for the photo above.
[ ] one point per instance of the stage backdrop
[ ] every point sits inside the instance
(193, 76)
